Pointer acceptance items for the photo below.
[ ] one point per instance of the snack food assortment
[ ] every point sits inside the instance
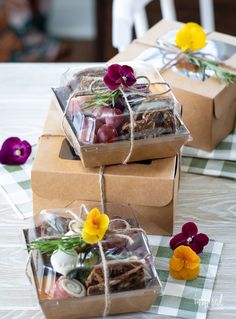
(65, 267)
(143, 112)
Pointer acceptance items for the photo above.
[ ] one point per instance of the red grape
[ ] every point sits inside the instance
(99, 123)
(115, 118)
(106, 134)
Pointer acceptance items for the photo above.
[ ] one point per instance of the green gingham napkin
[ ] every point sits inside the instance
(184, 299)
(15, 185)
(226, 150)
(220, 162)
(205, 166)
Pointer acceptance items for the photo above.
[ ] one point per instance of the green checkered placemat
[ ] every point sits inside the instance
(15, 185)
(221, 162)
(226, 150)
(205, 166)
(184, 299)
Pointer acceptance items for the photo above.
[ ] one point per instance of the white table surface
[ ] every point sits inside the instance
(211, 202)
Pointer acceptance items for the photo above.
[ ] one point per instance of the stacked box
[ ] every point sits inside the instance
(60, 180)
(209, 107)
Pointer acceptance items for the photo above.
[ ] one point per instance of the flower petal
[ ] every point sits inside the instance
(195, 247)
(126, 69)
(93, 213)
(104, 221)
(14, 151)
(189, 274)
(184, 252)
(178, 240)
(192, 265)
(88, 238)
(198, 243)
(176, 263)
(112, 85)
(175, 274)
(189, 229)
(90, 228)
(129, 80)
(113, 72)
(201, 239)
(101, 233)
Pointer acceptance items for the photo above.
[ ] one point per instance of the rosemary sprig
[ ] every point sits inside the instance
(203, 64)
(102, 99)
(65, 243)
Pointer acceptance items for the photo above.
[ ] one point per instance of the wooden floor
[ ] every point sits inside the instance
(210, 202)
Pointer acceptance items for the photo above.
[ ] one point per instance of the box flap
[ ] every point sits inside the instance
(224, 100)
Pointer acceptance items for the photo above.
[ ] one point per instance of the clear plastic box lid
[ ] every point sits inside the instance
(95, 120)
(61, 275)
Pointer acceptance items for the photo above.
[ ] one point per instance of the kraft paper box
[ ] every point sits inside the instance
(209, 107)
(135, 291)
(163, 138)
(60, 180)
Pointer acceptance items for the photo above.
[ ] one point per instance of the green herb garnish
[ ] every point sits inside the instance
(65, 243)
(104, 99)
(203, 64)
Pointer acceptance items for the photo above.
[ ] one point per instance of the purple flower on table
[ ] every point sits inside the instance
(14, 151)
(190, 237)
(117, 75)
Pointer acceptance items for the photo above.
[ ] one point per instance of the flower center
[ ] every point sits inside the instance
(190, 239)
(124, 78)
(95, 224)
(18, 152)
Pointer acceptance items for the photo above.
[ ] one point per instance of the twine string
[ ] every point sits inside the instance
(131, 128)
(106, 281)
(102, 187)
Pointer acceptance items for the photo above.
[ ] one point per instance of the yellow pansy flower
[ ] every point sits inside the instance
(191, 37)
(184, 264)
(95, 226)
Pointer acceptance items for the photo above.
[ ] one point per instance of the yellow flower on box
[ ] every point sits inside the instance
(95, 226)
(184, 264)
(191, 37)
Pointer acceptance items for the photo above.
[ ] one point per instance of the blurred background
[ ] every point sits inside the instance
(81, 30)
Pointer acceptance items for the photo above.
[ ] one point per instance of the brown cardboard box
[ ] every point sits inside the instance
(123, 302)
(209, 107)
(166, 145)
(59, 181)
(133, 300)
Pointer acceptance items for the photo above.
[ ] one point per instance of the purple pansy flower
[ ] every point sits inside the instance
(190, 237)
(14, 151)
(119, 75)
